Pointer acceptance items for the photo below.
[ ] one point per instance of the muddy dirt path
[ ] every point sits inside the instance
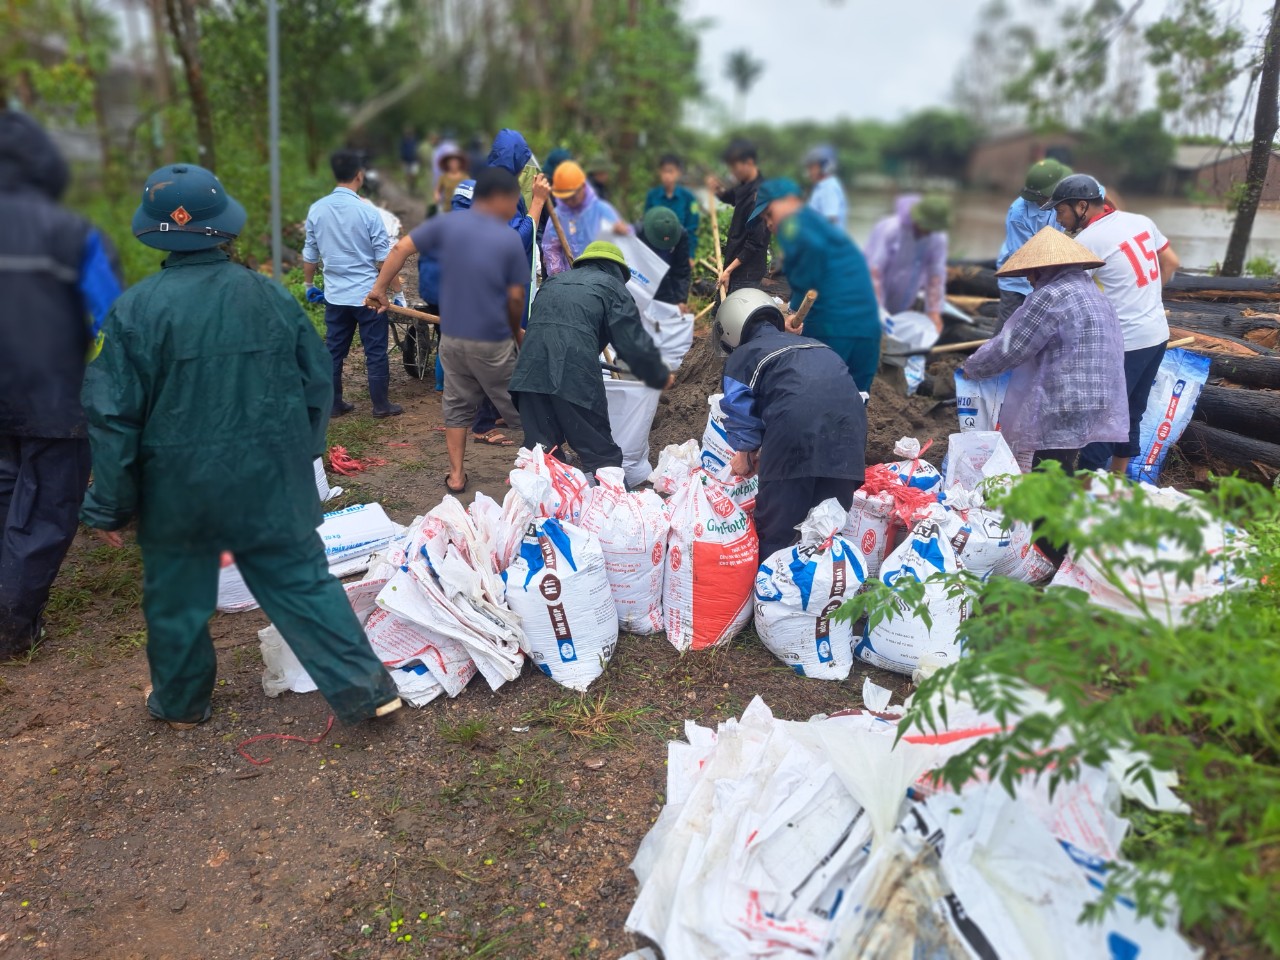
(497, 825)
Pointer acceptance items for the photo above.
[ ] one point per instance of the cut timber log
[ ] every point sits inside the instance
(1190, 286)
(1211, 445)
(969, 280)
(1219, 344)
(978, 279)
(1261, 372)
(1252, 413)
(1222, 319)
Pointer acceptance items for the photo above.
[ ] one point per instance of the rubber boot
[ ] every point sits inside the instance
(382, 407)
(340, 407)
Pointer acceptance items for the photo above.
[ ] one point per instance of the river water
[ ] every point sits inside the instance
(1198, 233)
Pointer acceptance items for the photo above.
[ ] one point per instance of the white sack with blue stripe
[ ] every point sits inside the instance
(799, 588)
(559, 588)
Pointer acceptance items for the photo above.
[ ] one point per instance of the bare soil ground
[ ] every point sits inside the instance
(495, 825)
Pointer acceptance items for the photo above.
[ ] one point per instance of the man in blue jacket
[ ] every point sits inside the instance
(792, 413)
(1025, 219)
(817, 255)
(60, 279)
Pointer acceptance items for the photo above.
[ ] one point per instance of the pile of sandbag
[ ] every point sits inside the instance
(831, 839)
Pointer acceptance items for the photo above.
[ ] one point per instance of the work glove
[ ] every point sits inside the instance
(315, 295)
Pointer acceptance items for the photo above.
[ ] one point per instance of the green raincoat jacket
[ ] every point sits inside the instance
(207, 407)
(575, 315)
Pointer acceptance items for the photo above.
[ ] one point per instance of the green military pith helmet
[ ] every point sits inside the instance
(932, 214)
(185, 207)
(1042, 178)
(662, 229)
(603, 250)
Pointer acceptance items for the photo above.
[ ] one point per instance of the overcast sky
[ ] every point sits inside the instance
(856, 58)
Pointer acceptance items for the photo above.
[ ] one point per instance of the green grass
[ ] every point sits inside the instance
(592, 719)
(357, 433)
(466, 733)
(93, 607)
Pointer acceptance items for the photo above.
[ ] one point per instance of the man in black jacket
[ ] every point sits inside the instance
(746, 249)
(60, 279)
(557, 385)
(792, 413)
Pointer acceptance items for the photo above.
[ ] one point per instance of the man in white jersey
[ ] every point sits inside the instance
(1138, 263)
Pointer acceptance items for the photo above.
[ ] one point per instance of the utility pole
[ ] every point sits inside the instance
(273, 131)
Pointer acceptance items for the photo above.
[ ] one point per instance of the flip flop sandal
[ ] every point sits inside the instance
(494, 439)
(457, 490)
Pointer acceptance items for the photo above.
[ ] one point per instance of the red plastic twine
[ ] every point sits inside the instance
(909, 503)
(341, 462)
(280, 736)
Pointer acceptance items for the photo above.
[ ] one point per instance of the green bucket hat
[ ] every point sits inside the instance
(772, 190)
(932, 214)
(662, 229)
(184, 208)
(603, 250)
(1042, 178)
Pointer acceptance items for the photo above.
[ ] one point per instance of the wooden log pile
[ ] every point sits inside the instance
(1236, 323)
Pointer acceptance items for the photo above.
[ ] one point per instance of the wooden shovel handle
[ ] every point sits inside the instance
(564, 241)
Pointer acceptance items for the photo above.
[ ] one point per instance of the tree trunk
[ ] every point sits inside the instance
(186, 36)
(1253, 413)
(1264, 134)
(95, 81)
(1205, 444)
(1246, 371)
(163, 78)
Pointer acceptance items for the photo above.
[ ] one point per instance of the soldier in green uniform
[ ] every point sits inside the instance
(207, 407)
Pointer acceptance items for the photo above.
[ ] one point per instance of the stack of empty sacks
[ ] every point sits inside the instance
(832, 838)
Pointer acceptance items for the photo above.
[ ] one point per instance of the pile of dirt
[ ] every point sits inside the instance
(890, 415)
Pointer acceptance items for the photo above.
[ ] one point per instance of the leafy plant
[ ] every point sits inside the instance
(1200, 698)
(1262, 266)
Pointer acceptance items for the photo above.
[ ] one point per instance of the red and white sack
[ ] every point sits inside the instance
(712, 558)
(558, 588)
(800, 587)
(899, 643)
(401, 643)
(449, 587)
(675, 464)
(867, 528)
(568, 484)
(716, 455)
(632, 530)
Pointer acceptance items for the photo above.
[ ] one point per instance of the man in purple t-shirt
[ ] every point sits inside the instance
(483, 278)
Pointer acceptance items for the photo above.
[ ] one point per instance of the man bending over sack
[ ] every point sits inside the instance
(558, 384)
(207, 407)
(792, 413)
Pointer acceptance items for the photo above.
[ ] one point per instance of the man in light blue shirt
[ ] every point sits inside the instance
(1024, 221)
(349, 237)
(827, 196)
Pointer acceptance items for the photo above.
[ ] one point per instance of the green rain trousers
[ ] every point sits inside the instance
(206, 408)
(294, 588)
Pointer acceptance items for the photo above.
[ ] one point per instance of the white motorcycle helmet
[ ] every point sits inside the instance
(739, 309)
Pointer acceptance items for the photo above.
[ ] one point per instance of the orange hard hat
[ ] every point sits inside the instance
(568, 180)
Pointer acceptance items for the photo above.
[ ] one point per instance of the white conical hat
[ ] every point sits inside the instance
(1048, 248)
